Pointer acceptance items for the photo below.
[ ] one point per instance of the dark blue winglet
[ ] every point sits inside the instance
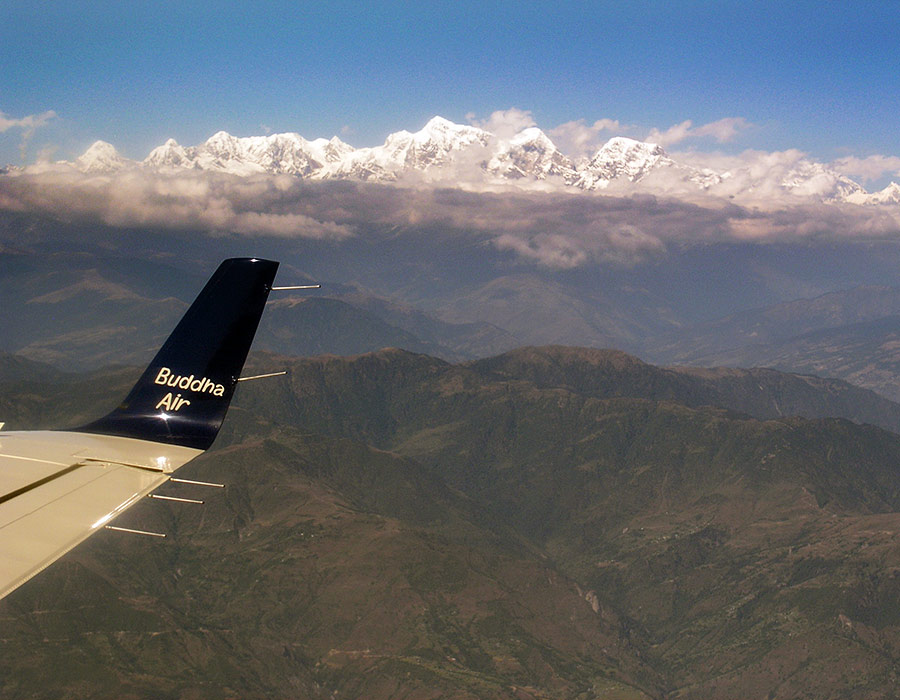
(183, 395)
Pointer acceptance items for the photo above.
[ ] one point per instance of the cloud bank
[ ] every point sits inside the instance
(558, 230)
(209, 202)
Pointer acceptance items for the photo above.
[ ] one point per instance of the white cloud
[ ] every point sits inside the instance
(673, 134)
(551, 229)
(722, 131)
(870, 168)
(28, 125)
(604, 239)
(550, 250)
(579, 139)
(768, 180)
(504, 123)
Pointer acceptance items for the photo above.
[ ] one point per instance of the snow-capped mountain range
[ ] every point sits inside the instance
(445, 152)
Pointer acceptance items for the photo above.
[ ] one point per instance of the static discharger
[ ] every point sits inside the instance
(285, 288)
(197, 483)
(175, 498)
(166, 498)
(262, 376)
(134, 532)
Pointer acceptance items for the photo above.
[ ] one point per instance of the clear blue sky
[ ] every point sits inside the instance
(818, 76)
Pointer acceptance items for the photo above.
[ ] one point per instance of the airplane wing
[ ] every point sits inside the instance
(57, 488)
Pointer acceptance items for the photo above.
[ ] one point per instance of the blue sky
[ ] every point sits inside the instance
(817, 76)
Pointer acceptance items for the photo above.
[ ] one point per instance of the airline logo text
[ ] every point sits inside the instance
(200, 385)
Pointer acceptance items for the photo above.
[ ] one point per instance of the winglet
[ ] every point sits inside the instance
(183, 395)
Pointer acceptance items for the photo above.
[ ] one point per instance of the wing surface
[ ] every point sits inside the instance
(57, 488)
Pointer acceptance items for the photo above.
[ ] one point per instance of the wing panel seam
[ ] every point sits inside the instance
(40, 482)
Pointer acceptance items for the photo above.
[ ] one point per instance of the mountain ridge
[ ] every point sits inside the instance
(398, 526)
(443, 151)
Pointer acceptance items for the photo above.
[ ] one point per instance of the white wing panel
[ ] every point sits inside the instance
(55, 492)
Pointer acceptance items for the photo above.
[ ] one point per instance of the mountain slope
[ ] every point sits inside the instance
(326, 567)
(553, 522)
(680, 520)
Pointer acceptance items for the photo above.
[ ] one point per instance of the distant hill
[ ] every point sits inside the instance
(94, 312)
(15, 368)
(82, 314)
(761, 393)
(544, 312)
(551, 522)
(866, 354)
(457, 340)
(786, 320)
(852, 335)
(355, 323)
(73, 299)
(314, 325)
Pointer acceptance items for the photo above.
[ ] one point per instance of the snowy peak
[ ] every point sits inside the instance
(227, 153)
(279, 153)
(169, 155)
(809, 179)
(450, 153)
(434, 144)
(101, 157)
(622, 157)
(330, 150)
(531, 154)
(222, 143)
(625, 148)
(276, 154)
(438, 124)
(450, 135)
(889, 195)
